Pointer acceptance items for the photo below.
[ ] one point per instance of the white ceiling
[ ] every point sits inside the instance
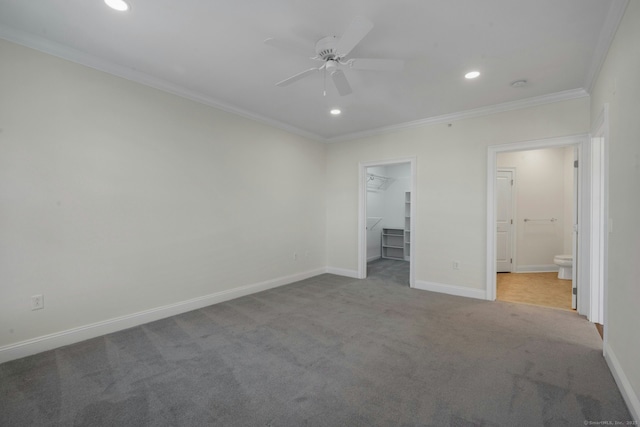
(213, 51)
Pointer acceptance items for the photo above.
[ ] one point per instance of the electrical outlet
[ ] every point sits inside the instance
(456, 265)
(37, 302)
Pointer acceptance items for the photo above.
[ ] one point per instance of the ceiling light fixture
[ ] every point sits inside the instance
(472, 74)
(119, 5)
(519, 83)
(335, 112)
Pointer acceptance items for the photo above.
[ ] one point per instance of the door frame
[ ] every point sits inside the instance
(585, 306)
(514, 230)
(362, 212)
(600, 226)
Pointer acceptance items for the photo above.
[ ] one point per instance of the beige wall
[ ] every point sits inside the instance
(118, 198)
(618, 85)
(450, 221)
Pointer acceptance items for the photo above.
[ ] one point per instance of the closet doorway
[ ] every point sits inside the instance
(386, 223)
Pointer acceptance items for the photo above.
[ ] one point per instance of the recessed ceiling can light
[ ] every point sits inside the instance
(119, 5)
(335, 112)
(472, 74)
(519, 83)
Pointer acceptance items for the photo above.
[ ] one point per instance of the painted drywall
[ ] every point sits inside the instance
(618, 86)
(540, 195)
(394, 197)
(450, 202)
(118, 198)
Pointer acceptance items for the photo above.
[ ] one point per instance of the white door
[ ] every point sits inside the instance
(504, 221)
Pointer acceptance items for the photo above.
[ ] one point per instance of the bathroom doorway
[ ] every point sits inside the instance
(590, 257)
(536, 211)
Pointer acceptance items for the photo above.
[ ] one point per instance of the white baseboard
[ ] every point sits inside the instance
(460, 291)
(373, 258)
(626, 389)
(342, 272)
(544, 268)
(81, 333)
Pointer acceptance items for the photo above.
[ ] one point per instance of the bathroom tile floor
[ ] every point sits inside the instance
(543, 289)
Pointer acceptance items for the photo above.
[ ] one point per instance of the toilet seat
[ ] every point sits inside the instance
(563, 260)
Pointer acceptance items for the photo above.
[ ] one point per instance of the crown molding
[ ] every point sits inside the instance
(468, 114)
(608, 32)
(74, 55)
(56, 49)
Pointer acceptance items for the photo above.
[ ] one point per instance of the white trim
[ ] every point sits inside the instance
(599, 214)
(81, 333)
(542, 268)
(583, 243)
(373, 258)
(607, 33)
(91, 61)
(342, 272)
(626, 389)
(362, 213)
(442, 288)
(468, 114)
(596, 262)
(583, 237)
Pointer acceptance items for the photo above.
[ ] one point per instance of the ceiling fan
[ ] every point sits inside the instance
(332, 51)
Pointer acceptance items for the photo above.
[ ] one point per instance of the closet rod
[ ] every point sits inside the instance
(540, 220)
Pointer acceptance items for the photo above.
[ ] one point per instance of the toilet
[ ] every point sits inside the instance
(565, 265)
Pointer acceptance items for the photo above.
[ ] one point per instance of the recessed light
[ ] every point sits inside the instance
(335, 112)
(472, 74)
(119, 5)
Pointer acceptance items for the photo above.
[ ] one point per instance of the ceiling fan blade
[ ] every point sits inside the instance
(288, 47)
(295, 78)
(341, 82)
(356, 31)
(376, 64)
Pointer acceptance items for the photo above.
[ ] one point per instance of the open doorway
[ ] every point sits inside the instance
(583, 233)
(536, 210)
(386, 223)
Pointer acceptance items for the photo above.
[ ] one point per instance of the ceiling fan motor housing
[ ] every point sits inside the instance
(326, 48)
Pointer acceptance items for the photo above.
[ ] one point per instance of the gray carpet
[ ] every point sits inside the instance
(327, 351)
(389, 271)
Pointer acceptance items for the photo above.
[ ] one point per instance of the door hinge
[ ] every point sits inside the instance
(511, 221)
(510, 260)
(511, 182)
(575, 163)
(575, 291)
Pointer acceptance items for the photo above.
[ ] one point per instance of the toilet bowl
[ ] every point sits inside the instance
(565, 266)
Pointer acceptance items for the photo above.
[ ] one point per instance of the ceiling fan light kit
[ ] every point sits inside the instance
(332, 51)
